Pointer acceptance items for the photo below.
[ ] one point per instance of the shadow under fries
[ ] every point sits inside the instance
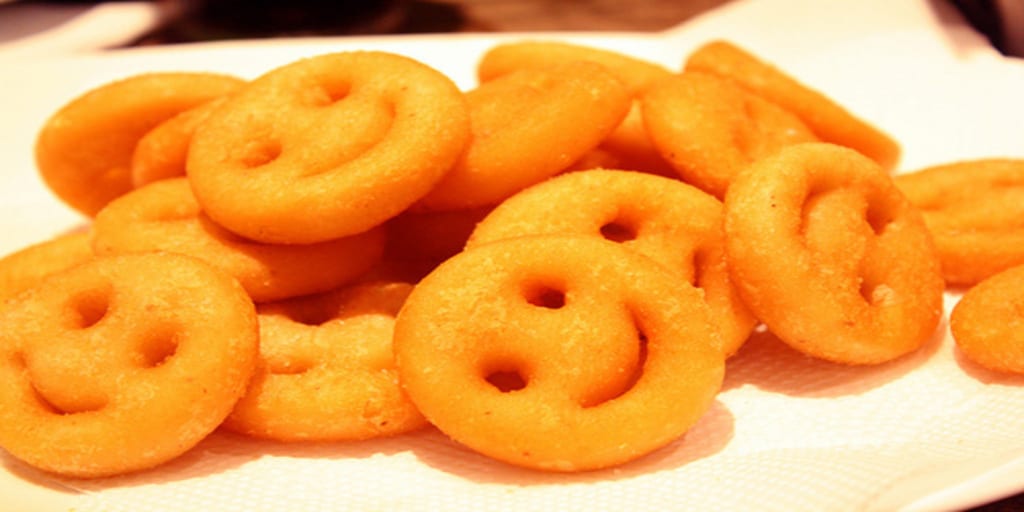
(212, 455)
(707, 437)
(33, 476)
(985, 375)
(223, 451)
(767, 363)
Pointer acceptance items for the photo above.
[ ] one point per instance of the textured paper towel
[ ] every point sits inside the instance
(787, 432)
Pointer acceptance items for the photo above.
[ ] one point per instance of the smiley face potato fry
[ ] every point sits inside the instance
(122, 363)
(551, 266)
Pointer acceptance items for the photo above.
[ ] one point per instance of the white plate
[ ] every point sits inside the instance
(787, 433)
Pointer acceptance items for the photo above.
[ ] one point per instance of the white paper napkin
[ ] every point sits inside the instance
(787, 433)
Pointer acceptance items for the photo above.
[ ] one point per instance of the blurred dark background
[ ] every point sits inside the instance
(217, 19)
(220, 19)
(1001, 21)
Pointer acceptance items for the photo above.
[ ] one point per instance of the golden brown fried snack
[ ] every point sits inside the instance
(501, 59)
(164, 216)
(710, 129)
(162, 152)
(829, 121)
(831, 257)
(628, 147)
(84, 150)
(671, 222)
(326, 370)
(558, 353)
(327, 147)
(975, 211)
(988, 322)
(123, 363)
(528, 126)
(419, 241)
(24, 269)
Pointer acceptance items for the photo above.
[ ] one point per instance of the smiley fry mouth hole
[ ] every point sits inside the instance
(634, 377)
(61, 405)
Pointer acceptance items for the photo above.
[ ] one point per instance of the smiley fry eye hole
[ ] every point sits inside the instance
(88, 308)
(506, 380)
(619, 231)
(877, 294)
(259, 152)
(158, 347)
(505, 374)
(878, 220)
(544, 296)
(327, 94)
(867, 289)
